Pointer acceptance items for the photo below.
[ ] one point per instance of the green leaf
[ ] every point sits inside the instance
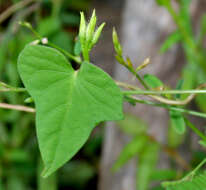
(69, 103)
(129, 151)
(172, 39)
(177, 122)
(152, 81)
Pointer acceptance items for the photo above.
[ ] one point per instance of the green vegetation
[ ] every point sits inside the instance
(70, 96)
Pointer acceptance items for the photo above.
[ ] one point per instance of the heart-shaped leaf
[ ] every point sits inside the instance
(68, 103)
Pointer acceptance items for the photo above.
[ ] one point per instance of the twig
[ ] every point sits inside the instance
(182, 110)
(17, 107)
(162, 99)
(8, 12)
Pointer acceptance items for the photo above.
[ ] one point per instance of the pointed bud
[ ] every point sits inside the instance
(97, 34)
(29, 100)
(91, 27)
(143, 65)
(25, 24)
(82, 28)
(116, 42)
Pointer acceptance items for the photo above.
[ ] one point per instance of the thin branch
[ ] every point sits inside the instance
(17, 107)
(151, 92)
(198, 114)
(8, 12)
(162, 99)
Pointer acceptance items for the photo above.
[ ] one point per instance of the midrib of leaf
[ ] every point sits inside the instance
(71, 89)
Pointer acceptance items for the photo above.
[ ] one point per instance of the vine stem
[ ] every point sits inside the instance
(152, 92)
(161, 98)
(46, 42)
(8, 88)
(8, 12)
(17, 107)
(172, 108)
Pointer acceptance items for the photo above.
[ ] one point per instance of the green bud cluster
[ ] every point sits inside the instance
(88, 36)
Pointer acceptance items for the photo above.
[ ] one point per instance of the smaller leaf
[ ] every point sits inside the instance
(177, 122)
(29, 100)
(117, 45)
(152, 81)
(97, 34)
(91, 27)
(172, 39)
(82, 29)
(129, 151)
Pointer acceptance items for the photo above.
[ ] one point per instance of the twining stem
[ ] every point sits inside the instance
(195, 129)
(161, 98)
(17, 107)
(172, 108)
(152, 92)
(8, 88)
(40, 38)
(8, 12)
(76, 59)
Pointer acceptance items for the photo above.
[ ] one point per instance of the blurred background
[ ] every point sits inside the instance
(117, 156)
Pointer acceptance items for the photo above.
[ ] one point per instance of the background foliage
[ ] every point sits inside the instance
(20, 163)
